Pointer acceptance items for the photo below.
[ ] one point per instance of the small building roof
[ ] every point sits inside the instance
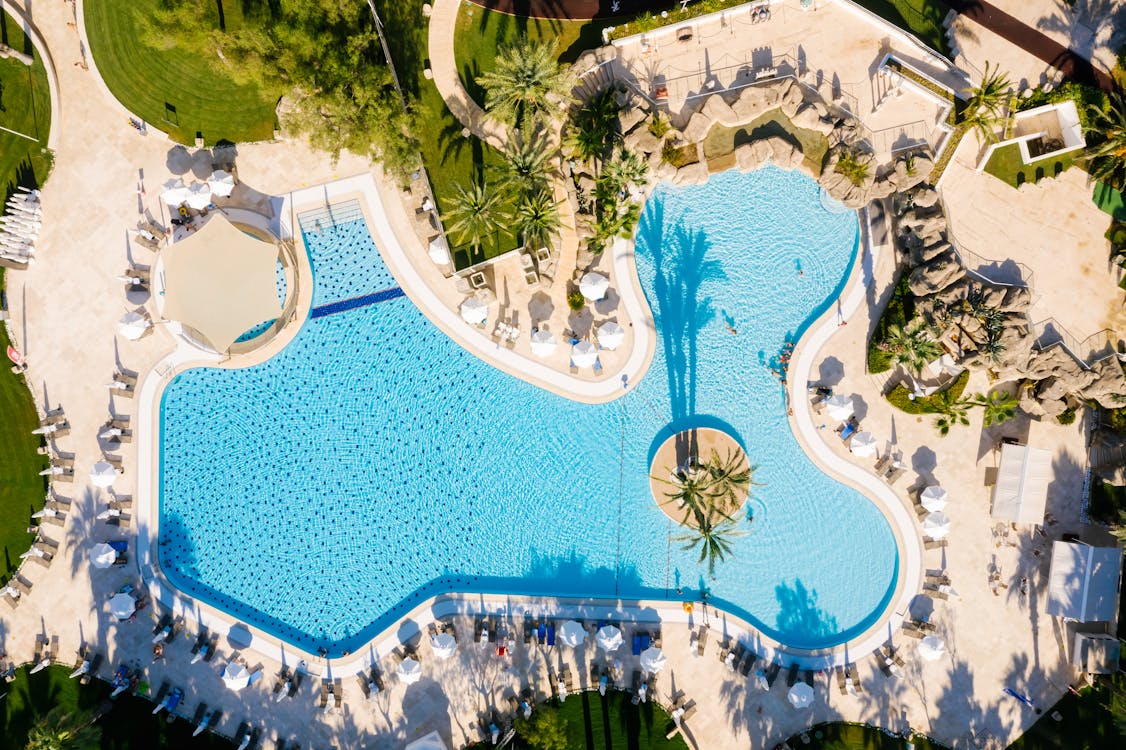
(220, 281)
(432, 741)
(1021, 491)
(1096, 653)
(1084, 582)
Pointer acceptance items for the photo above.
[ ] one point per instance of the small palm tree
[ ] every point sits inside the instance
(59, 730)
(911, 346)
(728, 481)
(528, 82)
(594, 128)
(475, 213)
(1106, 162)
(527, 160)
(997, 406)
(714, 536)
(537, 218)
(689, 492)
(984, 103)
(951, 411)
(1119, 532)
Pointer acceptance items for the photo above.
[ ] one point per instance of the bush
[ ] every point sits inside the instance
(1115, 419)
(546, 730)
(1083, 96)
(1067, 416)
(901, 399)
(900, 310)
(852, 168)
(576, 301)
(1107, 501)
(679, 156)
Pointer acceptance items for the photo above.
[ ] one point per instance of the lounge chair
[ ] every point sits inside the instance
(656, 637)
(848, 429)
(635, 645)
(567, 680)
(20, 584)
(13, 601)
(911, 630)
(595, 673)
(897, 470)
(555, 682)
(932, 591)
(541, 634)
(338, 693)
(772, 674)
(854, 675)
(326, 688)
(934, 544)
(529, 628)
(493, 630)
(748, 663)
(550, 634)
(938, 579)
(737, 655)
(841, 680)
(702, 643)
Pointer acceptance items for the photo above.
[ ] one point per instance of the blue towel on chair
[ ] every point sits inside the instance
(551, 635)
(540, 632)
(637, 645)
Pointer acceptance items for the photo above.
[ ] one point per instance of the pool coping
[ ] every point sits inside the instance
(414, 622)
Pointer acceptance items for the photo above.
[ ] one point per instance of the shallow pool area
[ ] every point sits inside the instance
(374, 463)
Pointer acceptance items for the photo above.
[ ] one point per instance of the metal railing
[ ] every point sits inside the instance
(1007, 272)
(331, 216)
(1087, 352)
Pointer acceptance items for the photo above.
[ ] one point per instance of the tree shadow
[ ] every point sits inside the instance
(799, 612)
(957, 712)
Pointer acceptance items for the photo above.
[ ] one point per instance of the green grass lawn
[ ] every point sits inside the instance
(839, 736)
(1005, 164)
(1084, 724)
(25, 106)
(175, 90)
(614, 723)
(21, 487)
(1109, 201)
(900, 309)
(128, 725)
(923, 18)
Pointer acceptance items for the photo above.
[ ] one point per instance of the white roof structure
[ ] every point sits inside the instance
(1084, 582)
(1095, 653)
(1021, 491)
(432, 741)
(221, 282)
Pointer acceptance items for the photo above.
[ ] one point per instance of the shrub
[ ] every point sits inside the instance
(1115, 419)
(659, 125)
(852, 168)
(679, 156)
(900, 310)
(575, 300)
(1107, 501)
(545, 730)
(1067, 416)
(901, 399)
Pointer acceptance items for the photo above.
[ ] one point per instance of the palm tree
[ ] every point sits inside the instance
(527, 160)
(1119, 532)
(911, 346)
(59, 730)
(537, 218)
(985, 101)
(475, 213)
(714, 535)
(728, 481)
(527, 82)
(594, 128)
(1106, 162)
(689, 493)
(997, 406)
(952, 411)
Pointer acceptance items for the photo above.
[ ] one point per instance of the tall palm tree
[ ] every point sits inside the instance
(729, 480)
(997, 406)
(1106, 162)
(593, 130)
(984, 103)
(714, 536)
(527, 82)
(527, 160)
(911, 346)
(475, 213)
(59, 730)
(689, 493)
(537, 218)
(952, 411)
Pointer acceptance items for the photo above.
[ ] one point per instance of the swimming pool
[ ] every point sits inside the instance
(374, 463)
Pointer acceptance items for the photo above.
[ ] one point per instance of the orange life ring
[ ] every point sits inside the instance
(687, 606)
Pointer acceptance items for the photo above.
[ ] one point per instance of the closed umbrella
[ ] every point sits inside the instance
(103, 474)
(438, 251)
(801, 695)
(934, 498)
(609, 638)
(593, 286)
(474, 311)
(932, 648)
(863, 444)
(444, 645)
(543, 343)
(584, 354)
(122, 606)
(571, 633)
(611, 335)
(235, 676)
(839, 406)
(936, 525)
(199, 196)
(653, 660)
(222, 183)
(409, 671)
(133, 325)
(102, 556)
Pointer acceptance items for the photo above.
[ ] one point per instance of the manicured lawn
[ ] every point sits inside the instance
(127, 725)
(1109, 201)
(923, 18)
(175, 90)
(901, 399)
(1085, 724)
(856, 737)
(25, 106)
(614, 723)
(1005, 164)
(21, 487)
(722, 140)
(900, 309)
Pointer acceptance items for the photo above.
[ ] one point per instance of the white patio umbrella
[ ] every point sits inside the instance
(235, 676)
(474, 311)
(932, 648)
(199, 196)
(653, 660)
(863, 444)
(800, 695)
(571, 634)
(174, 192)
(936, 525)
(934, 498)
(102, 556)
(222, 183)
(133, 325)
(611, 335)
(584, 354)
(122, 606)
(103, 474)
(438, 251)
(543, 343)
(609, 638)
(594, 286)
(409, 671)
(444, 645)
(839, 406)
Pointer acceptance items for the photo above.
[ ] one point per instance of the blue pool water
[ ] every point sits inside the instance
(374, 463)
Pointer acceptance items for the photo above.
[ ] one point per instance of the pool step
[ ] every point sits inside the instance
(330, 216)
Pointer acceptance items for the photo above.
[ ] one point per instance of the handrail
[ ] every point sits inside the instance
(989, 270)
(1087, 352)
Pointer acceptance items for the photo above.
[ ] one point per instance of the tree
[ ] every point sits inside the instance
(527, 160)
(951, 411)
(984, 103)
(1106, 161)
(527, 82)
(60, 730)
(1119, 532)
(997, 406)
(728, 480)
(714, 536)
(690, 492)
(593, 131)
(545, 730)
(911, 346)
(537, 218)
(475, 213)
(1116, 702)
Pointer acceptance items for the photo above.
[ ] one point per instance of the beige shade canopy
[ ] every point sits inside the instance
(221, 282)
